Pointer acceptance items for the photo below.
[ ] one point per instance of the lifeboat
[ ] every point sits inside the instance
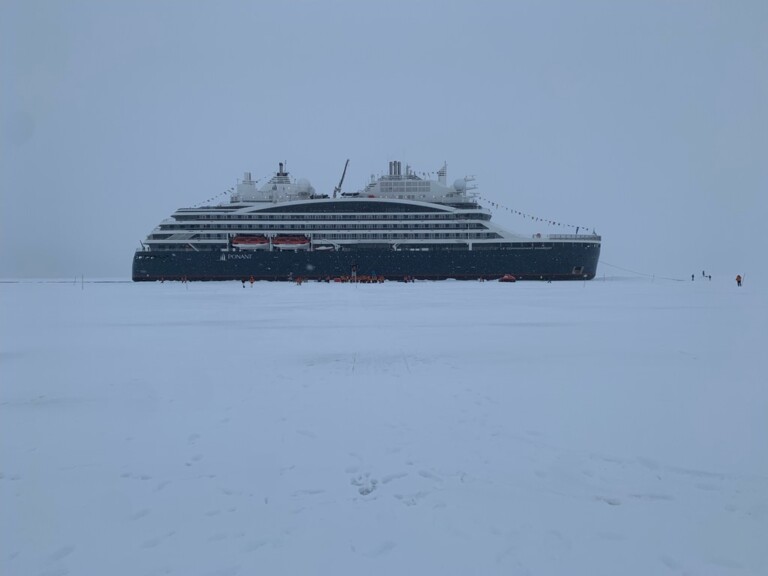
(290, 242)
(507, 278)
(250, 242)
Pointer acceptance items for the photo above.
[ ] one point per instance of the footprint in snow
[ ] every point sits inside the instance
(365, 484)
(390, 477)
(411, 499)
(429, 475)
(139, 514)
(61, 553)
(381, 549)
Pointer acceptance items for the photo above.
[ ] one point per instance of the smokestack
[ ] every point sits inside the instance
(391, 169)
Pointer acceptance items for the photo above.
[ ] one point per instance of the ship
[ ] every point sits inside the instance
(401, 225)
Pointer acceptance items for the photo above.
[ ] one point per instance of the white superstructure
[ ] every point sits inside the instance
(397, 211)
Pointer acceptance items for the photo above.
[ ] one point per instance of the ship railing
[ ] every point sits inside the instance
(572, 236)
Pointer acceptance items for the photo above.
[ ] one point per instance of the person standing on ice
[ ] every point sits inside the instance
(738, 280)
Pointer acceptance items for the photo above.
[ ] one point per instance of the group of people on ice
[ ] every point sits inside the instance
(709, 277)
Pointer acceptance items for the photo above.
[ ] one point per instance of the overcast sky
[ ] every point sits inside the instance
(646, 120)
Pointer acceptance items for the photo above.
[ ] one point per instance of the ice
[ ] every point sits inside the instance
(438, 428)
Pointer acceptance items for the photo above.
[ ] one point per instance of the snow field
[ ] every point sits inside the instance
(607, 427)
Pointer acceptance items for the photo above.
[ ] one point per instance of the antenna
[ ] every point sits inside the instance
(338, 188)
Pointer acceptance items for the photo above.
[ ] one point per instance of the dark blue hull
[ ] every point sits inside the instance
(561, 261)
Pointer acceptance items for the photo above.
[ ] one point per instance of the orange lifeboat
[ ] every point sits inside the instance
(290, 242)
(250, 242)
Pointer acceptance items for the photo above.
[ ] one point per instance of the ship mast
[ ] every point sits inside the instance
(338, 188)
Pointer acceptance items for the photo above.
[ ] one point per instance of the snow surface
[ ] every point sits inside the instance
(598, 428)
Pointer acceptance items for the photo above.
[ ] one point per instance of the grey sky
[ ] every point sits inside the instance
(645, 120)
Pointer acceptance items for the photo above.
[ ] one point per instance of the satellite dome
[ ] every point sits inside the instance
(460, 185)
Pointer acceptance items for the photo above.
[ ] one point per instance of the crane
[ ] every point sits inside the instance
(338, 188)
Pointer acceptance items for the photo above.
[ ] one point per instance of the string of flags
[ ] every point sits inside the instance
(531, 216)
(226, 192)
(220, 194)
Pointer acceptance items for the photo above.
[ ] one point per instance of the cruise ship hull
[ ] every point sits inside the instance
(561, 261)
